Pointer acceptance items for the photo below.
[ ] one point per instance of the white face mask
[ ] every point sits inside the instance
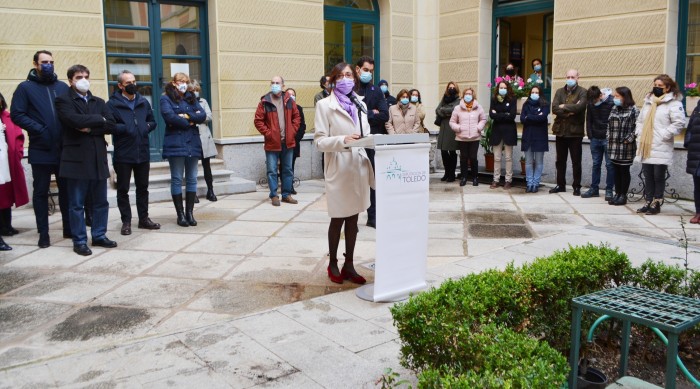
(82, 85)
(196, 94)
(182, 88)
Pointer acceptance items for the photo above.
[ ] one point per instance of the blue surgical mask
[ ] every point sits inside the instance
(468, 98)
(570, 82)
(617, 102)
(275, 88)
(534, 96)
(538, 68)
(502, 92)
(365, 77)
(414, 99)
(404, 100)
(384, 88)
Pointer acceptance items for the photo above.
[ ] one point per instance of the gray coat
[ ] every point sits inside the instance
(208, 145)
(446, 137)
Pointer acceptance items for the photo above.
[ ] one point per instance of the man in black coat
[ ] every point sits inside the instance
(134, 121)
(377, 115)
(599, 106)
(33, 109)
(86, 119)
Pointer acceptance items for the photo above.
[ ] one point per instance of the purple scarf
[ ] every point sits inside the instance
(342, 88)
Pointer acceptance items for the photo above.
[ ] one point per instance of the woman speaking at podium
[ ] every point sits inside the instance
(347, 170)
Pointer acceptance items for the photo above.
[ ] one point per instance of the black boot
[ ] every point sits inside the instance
(210, 191)
(6, 223)
(4, 246)
(189, 208)
(475, 172)
(177, 200)
(645, 208)
(463, 181)
(654, 207)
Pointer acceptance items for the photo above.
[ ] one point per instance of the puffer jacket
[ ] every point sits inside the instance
(130, 134)
(668, 122)
(403, 122)
(181, 137)
(34, 110)
(692, 143)
(621, 129)
(267, 122)
(468, 125)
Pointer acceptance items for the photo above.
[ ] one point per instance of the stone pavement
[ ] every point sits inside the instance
(243, 300)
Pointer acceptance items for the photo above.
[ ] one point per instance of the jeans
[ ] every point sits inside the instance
(41, 175)
(599, 149)
(566, 146)
(534, 165)
(141, 171)
(77, 190)
(654, 181)
(372, 210)
(497, 162)
(285, 161)
(178, 165)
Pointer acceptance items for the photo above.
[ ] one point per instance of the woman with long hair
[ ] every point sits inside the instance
(468, 121)
(207, 140)
(622, 144)
(446, 142)
(182, 146)
(504, 135)
(347, 170)
(535, 139)
(662, 118)
(420, 110)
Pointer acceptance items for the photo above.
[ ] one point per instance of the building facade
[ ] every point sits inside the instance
(235, 47)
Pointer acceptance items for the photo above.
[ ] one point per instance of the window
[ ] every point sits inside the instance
(689, 42)
(351, 30)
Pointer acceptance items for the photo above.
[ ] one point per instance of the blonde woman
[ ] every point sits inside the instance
(468, 121)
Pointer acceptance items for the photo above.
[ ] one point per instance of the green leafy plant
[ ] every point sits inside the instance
(391, 379)
(486, 137)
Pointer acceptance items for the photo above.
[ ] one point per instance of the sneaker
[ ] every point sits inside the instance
(275, 201)
(590, 193)
(289, 200)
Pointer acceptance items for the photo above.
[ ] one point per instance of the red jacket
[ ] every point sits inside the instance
(267, 122)
(15, 191)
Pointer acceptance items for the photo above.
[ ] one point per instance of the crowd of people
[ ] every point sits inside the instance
(67, 124)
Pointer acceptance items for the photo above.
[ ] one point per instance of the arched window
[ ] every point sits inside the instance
(351, 30)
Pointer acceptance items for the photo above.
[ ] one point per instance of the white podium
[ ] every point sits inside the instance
(402, 177)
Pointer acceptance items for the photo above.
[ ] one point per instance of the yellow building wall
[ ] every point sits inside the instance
(397, 29)
(613, 43)
(72, 30)
(251, 42)
(459, 44)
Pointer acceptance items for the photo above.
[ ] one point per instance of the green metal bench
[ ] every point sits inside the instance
(669, 313)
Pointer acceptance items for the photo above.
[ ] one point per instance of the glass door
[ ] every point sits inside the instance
(154, 40)
(351, 30)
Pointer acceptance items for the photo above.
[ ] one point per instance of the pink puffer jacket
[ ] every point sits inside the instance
(468, 125)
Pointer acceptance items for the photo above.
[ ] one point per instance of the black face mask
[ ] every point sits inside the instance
(131, 89)
(452, 91)
(510, 72)
(657, 91)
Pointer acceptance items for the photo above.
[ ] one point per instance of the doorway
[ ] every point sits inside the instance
(154, 39)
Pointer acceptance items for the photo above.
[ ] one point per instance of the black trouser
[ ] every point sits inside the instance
(622, 178)
(41, 175)
(654, 181)
(566, 146)
(449, 160)
(141, 171)
(696, 192)
(208, 178)
(372, 210)
(469, 151)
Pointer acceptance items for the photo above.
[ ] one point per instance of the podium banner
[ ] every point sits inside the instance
(402, 180)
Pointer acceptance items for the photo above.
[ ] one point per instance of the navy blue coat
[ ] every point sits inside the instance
(181, 137)
(33, 109)
(84, 155)
(692, 143)
(535, 126)
(374, 99)
(597, 119)
(503, 128)
(130, 135)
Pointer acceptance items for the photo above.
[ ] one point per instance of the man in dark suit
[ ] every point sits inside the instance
(377, 115)
(86, 119)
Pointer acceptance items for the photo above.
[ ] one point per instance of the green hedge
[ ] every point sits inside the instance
(482, 330)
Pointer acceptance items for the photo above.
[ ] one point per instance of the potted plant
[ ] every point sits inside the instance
(692, 95)
(488, 149)
(522, 165)
(521, 88)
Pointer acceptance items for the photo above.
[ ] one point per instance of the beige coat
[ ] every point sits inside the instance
(421, 117)
(348, 171)
(399, 123)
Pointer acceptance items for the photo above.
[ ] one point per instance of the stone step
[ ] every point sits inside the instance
(163, 180)
(628, 382)
(163, 167)
(231, 186)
